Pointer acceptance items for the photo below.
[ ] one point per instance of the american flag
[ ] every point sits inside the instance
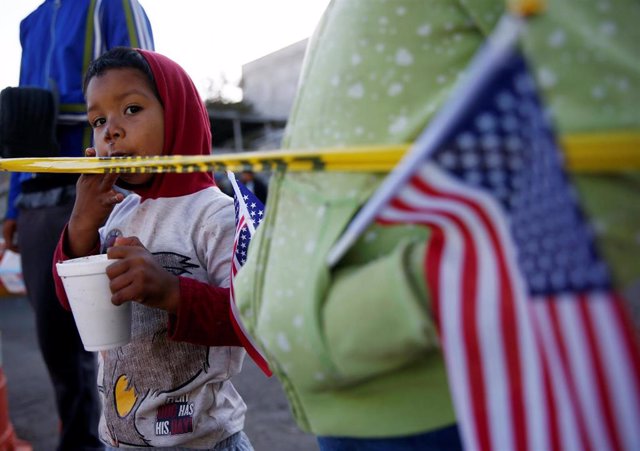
(541, 355)
(249, 212)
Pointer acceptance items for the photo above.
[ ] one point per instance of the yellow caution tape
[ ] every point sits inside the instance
(369, 159)
(602, 152)
(584, 153)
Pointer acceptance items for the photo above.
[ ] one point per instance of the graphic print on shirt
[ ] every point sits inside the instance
(175, 263)
(143, 384)
(175, 417)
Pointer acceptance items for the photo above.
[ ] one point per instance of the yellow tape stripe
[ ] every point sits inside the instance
(584, 153)
(612, 152)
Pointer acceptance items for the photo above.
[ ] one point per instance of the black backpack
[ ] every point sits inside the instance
(28, 118)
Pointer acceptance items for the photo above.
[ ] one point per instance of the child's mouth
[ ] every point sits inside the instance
(119, 153)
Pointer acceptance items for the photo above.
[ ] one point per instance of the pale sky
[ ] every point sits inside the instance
(206, 37)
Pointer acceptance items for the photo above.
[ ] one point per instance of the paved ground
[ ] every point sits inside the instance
(31, 406)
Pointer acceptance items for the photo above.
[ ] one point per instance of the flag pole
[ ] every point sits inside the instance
(234, 184)
(491, 54)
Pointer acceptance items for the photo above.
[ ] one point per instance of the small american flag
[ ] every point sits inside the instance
(249, 212)
(540, 353)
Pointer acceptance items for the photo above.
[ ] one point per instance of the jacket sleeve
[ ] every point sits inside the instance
(125, 23)
(203, 315)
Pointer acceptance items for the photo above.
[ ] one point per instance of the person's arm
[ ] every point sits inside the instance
(14, 191)
(203, 315)
(125, 23)
(10, 224)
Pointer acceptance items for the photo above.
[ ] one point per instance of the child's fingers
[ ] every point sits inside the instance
(128, 246)
(122, 264)
(101, 182)
(128, 241)
(108, 180)
(126, 277)
(123, 289)
(117, 252)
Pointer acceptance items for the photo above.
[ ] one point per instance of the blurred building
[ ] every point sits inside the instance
(269, 85)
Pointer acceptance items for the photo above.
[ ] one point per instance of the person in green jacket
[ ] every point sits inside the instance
(355, 347)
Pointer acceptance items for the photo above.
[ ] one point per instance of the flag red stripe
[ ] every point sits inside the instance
(598, 371)
(433, 257)
(254, 353)
(507, 307)
(552, 319)
(551, 410)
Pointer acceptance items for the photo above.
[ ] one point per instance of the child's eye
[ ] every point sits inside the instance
(97, 122)
(132, 109)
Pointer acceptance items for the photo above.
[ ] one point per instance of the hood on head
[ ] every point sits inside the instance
(186, 128)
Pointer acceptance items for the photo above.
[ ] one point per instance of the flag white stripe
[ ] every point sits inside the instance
(141, 26)
(612, 348)
(236, 240)
(139, 23)
(532, 372)
(580, 360)
(97, 30)
(567, 421)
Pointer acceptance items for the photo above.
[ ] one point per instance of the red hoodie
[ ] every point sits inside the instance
(203, 315)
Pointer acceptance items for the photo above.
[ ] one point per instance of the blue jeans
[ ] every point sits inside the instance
(236, 442)
(444, 439)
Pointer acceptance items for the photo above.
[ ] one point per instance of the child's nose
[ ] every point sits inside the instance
(114, 131)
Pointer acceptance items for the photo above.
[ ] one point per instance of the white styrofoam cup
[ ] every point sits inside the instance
(101, 324)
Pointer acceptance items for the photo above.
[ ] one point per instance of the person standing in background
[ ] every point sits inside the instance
(59, 39)
(254, 184)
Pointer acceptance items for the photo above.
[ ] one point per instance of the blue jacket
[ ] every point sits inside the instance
(59, 40)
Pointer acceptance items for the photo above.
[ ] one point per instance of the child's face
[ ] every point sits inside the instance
(126, 117)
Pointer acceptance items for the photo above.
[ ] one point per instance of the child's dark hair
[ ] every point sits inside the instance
(119, 58)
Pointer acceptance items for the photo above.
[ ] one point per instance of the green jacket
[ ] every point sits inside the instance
(356, 348)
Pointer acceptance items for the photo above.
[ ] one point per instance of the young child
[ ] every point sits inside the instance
(171, 242)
